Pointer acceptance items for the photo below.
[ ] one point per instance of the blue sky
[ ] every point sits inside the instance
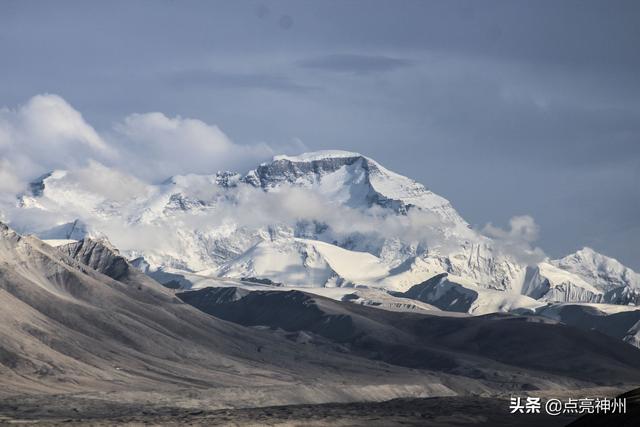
(504, 107)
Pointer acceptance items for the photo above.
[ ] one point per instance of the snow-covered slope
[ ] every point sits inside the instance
(323, 219)
(477, 261)
(452, 293)
(303, 262)
(603, 272)
(354, 180)
(550, 283)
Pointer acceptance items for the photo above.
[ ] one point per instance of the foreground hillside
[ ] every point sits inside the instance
(85, 336)
(493, 347)
(66, 328)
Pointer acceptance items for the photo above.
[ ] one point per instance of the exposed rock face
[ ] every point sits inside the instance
(623, 295)
(442, 293)
(99, 255)
(36, 187)
(453, 293)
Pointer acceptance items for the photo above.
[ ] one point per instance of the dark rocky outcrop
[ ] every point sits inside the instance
(442, 293)
(99, 255)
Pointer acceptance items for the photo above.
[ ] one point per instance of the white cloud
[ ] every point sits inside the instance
(9, 178)
(521, 229)
(518, 239)
(47, 133)
(107, 183)
(49, 119)
(156, 146)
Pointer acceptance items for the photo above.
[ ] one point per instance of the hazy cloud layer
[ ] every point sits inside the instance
(199, 78)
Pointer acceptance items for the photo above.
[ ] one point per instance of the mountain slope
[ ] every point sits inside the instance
(453, 293)
(603, 272)
(304, 262)
(487, 344)
(549, 283)
(616, 321)
(66, 327)
(72, 335)
(99, 255)
(354, 180)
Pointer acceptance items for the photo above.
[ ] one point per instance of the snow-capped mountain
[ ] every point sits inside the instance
(323, 219)
(353, 180)
(550, 283)
(338, 197)
(603, 272)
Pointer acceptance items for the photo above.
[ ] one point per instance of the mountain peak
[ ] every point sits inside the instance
(592, 256)
(353, 179)
(603, 271)
(586, 250)
(317, 155)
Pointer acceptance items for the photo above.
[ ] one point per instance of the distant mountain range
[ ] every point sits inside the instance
(328, 219)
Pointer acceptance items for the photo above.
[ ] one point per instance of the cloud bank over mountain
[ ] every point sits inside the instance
(118, 169)
(43, 134)
(161, 190)
(47, 133)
